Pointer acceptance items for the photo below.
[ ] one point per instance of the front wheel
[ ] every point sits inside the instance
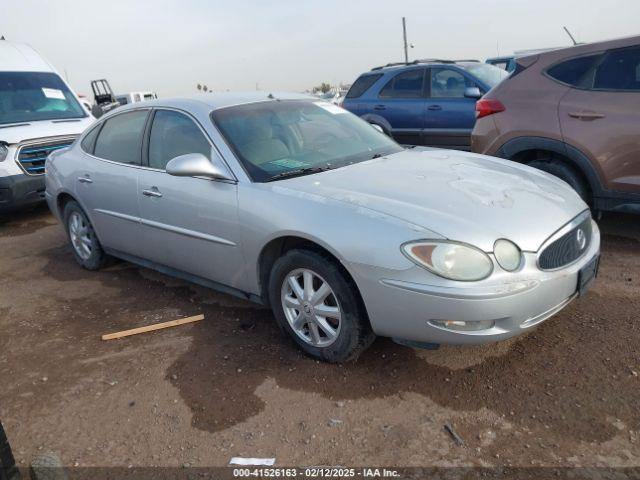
(318, 306)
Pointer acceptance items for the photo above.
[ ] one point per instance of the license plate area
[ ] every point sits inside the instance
(588, 274)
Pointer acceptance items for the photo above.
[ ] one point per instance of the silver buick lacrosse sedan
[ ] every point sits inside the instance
(297, 204)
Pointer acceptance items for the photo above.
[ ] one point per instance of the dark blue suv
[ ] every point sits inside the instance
(425, 102)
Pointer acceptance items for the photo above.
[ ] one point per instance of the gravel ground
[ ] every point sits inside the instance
(567, 394)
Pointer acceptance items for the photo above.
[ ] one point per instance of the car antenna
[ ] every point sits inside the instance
(570, 36)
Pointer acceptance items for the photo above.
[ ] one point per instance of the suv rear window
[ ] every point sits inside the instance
(573, 72)
(620, 70)
(362, 84)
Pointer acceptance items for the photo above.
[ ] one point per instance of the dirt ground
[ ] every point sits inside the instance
(567, 394)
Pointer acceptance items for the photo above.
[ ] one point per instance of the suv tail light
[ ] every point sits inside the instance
(488, 106)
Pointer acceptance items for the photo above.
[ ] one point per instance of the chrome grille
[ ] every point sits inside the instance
(32, 157)
(568, 248)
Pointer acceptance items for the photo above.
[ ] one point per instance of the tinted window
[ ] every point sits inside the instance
(407, 84)
(619, 70)
(361, 85)
(573, 72)
(33, 96)
(120, 138)
(89, 139)
(174, 134)
(449, 83)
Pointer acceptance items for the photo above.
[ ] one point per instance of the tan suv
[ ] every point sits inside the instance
(574, 113)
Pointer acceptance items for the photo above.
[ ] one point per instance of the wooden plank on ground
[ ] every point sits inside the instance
(151, 328)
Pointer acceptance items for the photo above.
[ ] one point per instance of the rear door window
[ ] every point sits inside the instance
(409, 84)
(120, 139)
(174, 134)
(577, 72)
(619, 70)
(361, 85)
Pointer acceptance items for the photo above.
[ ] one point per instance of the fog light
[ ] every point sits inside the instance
(462, 326)
(507, 254)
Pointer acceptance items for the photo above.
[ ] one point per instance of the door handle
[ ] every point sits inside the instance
(586, 115)
(434, 107)
(380, 107)
(153, 192)
(85, 179)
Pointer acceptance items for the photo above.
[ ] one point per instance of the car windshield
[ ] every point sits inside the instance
(32, 96)
(489, 74)
(277, 139)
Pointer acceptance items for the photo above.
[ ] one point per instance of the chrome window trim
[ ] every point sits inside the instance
(144, 167)
(559, 233)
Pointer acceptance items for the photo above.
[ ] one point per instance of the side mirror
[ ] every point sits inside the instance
(472, 92)
(195, 165)
(377, 127)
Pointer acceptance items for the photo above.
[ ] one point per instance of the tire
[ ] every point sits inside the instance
(564, 172)
(93, 257)
(352, 331)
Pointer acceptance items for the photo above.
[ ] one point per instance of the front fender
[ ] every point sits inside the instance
(355, 235)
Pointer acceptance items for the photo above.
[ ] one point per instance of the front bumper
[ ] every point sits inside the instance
(20, 190)
(403, 308)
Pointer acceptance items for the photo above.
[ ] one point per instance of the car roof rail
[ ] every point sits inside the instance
(394, 64)
(434, 60)
(422, 60)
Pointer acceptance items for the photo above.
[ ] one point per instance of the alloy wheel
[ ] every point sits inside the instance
(311, 307)
(80, 234)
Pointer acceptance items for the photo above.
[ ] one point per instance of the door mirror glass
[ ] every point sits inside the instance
(472, 92)
(195, 165)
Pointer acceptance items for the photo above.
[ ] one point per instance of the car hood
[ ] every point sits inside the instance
(462, 196)
(21, 132)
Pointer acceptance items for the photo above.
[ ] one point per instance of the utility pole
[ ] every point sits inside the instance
(570, 36)
(404, 35)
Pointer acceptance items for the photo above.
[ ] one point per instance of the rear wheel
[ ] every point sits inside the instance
(564, 172)
(318, 306)
(85, 245)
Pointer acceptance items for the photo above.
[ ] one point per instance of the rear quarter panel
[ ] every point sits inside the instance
(531, 103)
(61, 168)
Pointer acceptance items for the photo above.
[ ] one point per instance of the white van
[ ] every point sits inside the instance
(38, 114)
(135, 97)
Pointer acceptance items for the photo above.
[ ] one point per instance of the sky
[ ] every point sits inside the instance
(169, 46)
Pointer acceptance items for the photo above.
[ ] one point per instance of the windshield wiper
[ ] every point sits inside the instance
(298, 172)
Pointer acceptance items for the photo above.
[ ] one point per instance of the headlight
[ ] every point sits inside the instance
(507, 254)
(3, 152)
(455, 261)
